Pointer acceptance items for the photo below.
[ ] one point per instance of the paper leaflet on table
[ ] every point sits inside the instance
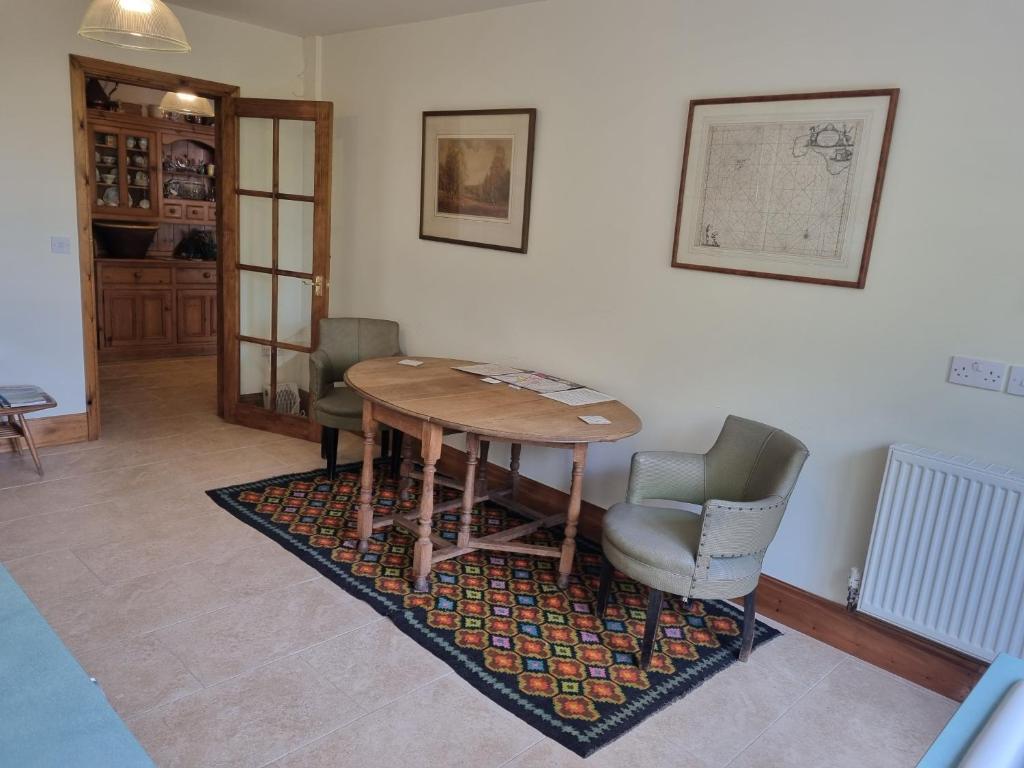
(537, 382)
(488, 369)
(581, 396)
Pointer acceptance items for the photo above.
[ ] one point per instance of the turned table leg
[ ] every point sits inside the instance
(405, 470)
(572, 517)
(481, 475)
(422, 554)
(469, 490)
(365, 521)
(513, 465)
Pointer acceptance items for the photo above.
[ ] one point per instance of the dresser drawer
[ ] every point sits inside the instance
(197, 275)
(195, 212)
(111, 275)
(173, 210)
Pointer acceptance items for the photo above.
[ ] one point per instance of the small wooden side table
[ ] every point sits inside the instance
(14, 425)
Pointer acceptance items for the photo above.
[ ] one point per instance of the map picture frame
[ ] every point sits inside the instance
(476, 176)
(785, 186)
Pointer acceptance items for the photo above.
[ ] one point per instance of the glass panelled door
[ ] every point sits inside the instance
(278, 258)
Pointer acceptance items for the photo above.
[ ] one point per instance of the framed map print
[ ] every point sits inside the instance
(476, 175)
(785, 187)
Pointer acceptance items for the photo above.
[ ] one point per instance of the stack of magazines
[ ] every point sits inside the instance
(22, 396)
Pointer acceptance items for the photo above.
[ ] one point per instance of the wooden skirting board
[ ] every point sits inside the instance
(913, 658)
(55, 430)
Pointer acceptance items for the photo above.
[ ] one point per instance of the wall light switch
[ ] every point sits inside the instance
(60, 245)
(973, 372)
(1016, 385)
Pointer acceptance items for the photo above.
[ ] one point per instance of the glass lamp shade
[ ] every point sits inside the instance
(146, 25)
(186, 104)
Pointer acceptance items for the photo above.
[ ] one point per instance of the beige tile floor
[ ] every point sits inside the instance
(220, 649)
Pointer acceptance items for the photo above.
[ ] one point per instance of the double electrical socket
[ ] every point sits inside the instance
(986, 374)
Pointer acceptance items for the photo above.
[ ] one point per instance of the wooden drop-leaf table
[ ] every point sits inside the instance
(427, 402)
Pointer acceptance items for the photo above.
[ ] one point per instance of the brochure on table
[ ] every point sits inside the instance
(562, 390)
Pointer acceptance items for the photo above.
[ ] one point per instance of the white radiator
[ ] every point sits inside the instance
(946, 559)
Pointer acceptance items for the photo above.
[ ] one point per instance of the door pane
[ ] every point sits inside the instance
(255, 230)
(254, 374)
(294, 310)
(297, 147)
(108, 169)
(292, 382)
(255, 299)
(256, 153)
(138, 152)
(295, 235)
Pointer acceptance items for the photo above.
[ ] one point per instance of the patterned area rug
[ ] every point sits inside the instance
(499, 620)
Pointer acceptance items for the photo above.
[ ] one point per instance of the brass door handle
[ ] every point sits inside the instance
(318, 284)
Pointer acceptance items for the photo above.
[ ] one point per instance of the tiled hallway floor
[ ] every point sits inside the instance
(224, 650)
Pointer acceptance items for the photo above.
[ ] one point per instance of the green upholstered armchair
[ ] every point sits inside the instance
(344, 341)
(742, 485)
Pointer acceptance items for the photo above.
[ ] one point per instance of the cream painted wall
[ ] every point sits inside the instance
(40, 315)
(594, 299)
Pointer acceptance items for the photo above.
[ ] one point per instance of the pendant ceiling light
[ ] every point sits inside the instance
(146, 25)
(186, 104)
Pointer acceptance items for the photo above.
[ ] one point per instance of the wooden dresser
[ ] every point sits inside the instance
(155, 308)
(153, 170)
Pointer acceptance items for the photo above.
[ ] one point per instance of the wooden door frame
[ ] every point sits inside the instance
(81, 68)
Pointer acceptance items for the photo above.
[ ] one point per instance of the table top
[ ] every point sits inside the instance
(460, 401)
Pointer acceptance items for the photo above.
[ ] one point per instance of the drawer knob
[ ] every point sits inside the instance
(206, 275)
(138, 275)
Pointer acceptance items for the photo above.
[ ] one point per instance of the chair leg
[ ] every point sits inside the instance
(749, 621)
(385, 443)
(323, 442)
(396, 453)
(332, 452)
(651, 626)
(605, 588)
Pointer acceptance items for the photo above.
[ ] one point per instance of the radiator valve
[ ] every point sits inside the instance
(853, 589)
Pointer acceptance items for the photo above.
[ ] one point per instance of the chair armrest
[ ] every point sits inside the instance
(667, 475)
(739, 528)
(321, 374)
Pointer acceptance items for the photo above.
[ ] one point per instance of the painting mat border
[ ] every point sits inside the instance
(531, 113)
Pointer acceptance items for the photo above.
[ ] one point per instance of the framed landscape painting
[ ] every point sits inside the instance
(475, 178)
(785, 187)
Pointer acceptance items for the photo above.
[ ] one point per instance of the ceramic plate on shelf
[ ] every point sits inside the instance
(110, 197)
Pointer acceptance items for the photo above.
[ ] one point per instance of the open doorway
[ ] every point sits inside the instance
(150, 235)
(204, 249)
